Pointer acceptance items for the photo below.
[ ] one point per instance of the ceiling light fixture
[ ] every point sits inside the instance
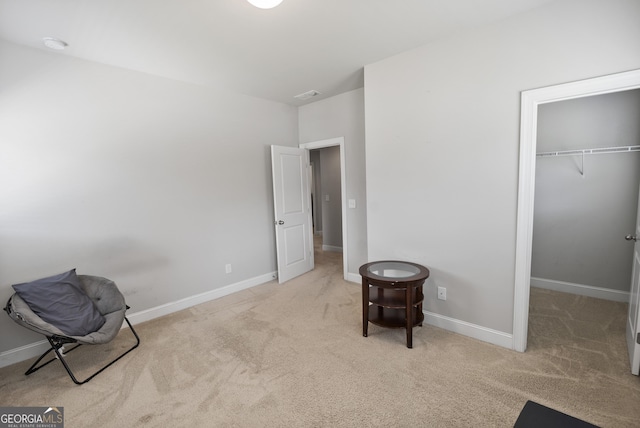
(306, 95)
(53, 43)
(265, 4)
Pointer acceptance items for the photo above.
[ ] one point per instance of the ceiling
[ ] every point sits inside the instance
(275, 54)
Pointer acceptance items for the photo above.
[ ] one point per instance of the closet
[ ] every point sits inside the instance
(586, 194)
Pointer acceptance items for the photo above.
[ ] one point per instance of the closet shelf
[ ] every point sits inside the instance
(599, 151)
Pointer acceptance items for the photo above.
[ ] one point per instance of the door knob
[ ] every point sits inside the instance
(279, 222)
(631, 238)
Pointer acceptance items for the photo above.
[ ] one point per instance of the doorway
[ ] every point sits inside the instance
(326, 197)
(526, 184)
(337, 145)
(586, 195)
(586, 201)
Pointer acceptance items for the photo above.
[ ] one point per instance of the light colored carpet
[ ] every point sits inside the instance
(293, 355)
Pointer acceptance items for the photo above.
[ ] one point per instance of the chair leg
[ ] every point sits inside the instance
(33, 367)
(56, 345)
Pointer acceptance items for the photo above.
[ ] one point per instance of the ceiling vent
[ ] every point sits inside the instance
(307, 95)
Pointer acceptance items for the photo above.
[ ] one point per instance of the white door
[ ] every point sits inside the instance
(634, 304)
(292, 204)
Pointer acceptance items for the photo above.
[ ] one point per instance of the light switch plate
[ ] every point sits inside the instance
(352, 203)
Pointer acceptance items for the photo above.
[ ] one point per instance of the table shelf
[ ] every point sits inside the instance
(393, 317)
(394, 298)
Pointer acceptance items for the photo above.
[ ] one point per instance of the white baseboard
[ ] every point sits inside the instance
(468, 329)
(354, 277)
(22, 353)
(582, 290)
(187, 302)
(331, 248)
(32, 350)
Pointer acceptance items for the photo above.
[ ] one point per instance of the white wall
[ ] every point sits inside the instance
(442, 126)
(580, 220)
(154, 183)
(343, 116)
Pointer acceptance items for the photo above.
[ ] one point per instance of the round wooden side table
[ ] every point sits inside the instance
(392, 295)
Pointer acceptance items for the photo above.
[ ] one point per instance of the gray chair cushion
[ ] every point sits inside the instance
(105, 296)
(110, 302)
(61, 301)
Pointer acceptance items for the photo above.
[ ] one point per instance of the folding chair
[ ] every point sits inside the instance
(108, 301)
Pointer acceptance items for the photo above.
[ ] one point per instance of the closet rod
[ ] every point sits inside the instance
(603, 150)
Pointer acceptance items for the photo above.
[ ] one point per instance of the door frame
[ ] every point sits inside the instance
(530, 100)
(331, 142)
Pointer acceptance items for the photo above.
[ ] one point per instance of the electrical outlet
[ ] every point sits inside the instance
(442, 293)
(227, 268)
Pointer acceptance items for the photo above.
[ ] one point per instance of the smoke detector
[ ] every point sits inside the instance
(53, 43)
(306, 95)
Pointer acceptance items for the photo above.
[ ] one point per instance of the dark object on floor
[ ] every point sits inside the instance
(534, 415)
(108, 301)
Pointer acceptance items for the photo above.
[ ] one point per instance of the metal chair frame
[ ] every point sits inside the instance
(58, 342)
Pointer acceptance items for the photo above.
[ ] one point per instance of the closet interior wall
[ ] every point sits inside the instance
(585, 204)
